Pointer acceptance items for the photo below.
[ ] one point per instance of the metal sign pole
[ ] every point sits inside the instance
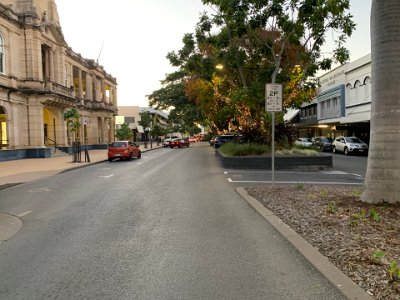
(273, 148)
(273, 103)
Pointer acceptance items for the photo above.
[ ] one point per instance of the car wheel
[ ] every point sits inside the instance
(110, 159)
(334, 149)
(140, 154)
(346, 151)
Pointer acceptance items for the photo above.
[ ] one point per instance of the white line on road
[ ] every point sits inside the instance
(43, 189)
(107, 176)
(24, 213)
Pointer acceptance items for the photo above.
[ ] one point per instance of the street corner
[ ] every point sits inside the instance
(9, 226)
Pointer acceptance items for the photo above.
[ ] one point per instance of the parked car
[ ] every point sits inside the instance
(305, 142)
(123, 150)
(192, 139)
(323, 143)
(166, 142)
(185, 143)
(349, 145)
(177, 142)
(211, 142)
(219, 140)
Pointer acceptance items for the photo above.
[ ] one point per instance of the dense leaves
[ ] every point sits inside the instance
(223, 67)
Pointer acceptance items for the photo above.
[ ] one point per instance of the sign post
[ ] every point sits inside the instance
(273, 103)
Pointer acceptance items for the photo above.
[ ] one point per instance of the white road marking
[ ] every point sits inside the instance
(334, 172)
(107, 176)
(24, 213)
(43, 189)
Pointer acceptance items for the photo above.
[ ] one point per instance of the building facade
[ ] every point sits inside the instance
(342, 105)
(131, 116)
(41, 78)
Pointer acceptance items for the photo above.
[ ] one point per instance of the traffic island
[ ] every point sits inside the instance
(293, 162)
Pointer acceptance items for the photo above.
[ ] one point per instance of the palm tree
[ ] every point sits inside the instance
(382, 182)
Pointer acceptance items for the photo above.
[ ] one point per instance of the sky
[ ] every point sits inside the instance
(131, 38)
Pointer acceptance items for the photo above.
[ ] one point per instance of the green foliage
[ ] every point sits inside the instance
(377, 256)
(394, 271)
(323, 193)
(299, 186)
(236, 149)
(124, 133)
(145, 119)
(297, 151)
(356, 193)
(374, 215)
(255, 42)
(72, 118)
(356, 218)
(332, 208)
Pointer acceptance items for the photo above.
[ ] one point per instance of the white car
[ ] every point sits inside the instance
(305, 142)
(349, 145)
(166, 142)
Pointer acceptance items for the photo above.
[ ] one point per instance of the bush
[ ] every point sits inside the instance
(297, 151)
(235, 149)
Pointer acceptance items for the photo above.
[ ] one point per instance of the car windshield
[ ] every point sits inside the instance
(353, 140)
(306, 140)
(118, 144)
(326, 140)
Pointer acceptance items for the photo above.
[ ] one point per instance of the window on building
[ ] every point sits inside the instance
(328, 103)
(1, 55)
(335, 101)
(130, 120)
(66, 76)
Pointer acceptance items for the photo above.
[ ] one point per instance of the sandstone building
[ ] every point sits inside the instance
(41, 78)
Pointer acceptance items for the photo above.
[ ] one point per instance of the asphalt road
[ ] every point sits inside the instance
(167, 226)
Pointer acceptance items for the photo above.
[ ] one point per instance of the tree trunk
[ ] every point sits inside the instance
(382, 182)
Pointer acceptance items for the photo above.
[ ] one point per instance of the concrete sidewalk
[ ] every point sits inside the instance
(25, 170)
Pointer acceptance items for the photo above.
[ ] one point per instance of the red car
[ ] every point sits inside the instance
(178, 143)
(123, 150)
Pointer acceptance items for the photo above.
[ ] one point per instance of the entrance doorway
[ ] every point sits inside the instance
(3, 129)
(49, 128)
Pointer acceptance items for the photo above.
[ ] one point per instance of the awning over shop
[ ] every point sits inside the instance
(291, 114)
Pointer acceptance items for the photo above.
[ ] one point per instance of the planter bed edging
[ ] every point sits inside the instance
(319, 162)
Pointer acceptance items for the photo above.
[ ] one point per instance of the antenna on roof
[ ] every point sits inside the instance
(101, 49)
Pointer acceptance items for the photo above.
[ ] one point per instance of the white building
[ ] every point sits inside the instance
(343, 103)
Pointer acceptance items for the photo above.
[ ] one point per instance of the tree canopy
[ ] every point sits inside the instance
(223, 67)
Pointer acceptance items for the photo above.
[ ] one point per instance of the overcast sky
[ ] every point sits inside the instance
(132, 37)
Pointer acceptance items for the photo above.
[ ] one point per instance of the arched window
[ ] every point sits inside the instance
(367, 80)
(348, 86)
(1, 55)
(357, 84)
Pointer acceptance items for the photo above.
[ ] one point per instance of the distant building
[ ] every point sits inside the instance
(131, 116)
(41, 78)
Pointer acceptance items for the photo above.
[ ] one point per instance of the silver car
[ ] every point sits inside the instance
(349, 145)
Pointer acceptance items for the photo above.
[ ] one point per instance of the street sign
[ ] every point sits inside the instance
(273, 97)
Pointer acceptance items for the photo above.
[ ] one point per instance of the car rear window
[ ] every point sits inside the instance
(118, 144)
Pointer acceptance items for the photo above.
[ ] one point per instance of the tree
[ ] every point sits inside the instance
(383, 168)
(72, 118)
(123, 133)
